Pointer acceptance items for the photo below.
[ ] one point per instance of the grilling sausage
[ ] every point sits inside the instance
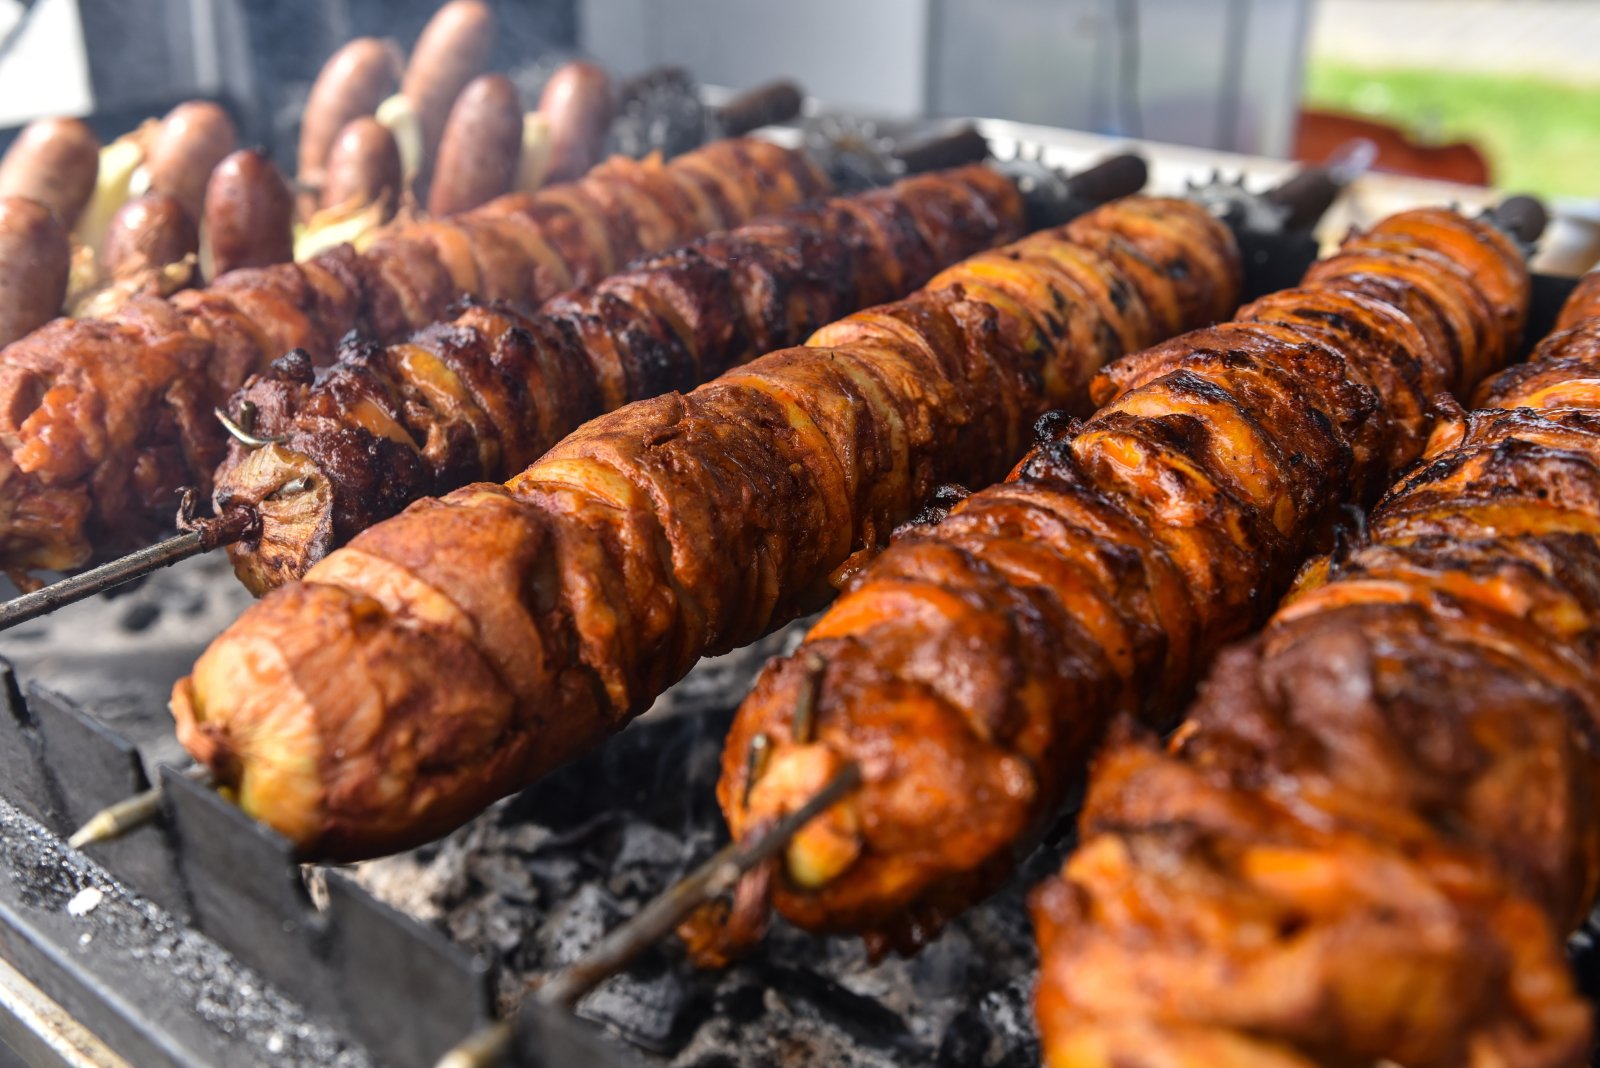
(53, 162)
(249, 214)
(35, 254)
(148, 232)
(481, 148)
(577, 104)
(191, 142)
(362, 166)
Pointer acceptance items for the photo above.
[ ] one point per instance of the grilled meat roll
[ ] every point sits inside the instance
(1368, 838)
(970, 669)
(454, 653)
(483, 396)
(102, 420)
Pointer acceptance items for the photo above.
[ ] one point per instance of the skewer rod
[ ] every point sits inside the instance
(655, 921)
(130, 813)
(99, 579)
(661, 917)
(116, 820)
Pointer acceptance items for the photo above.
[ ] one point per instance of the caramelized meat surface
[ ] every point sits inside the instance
(482, 396)
(970, 670)
(452, 654)
(102, 420)
(1368, 839)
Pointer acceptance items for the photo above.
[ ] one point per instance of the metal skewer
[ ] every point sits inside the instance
(201, 536)
(652, 923)
(129, 814)
(98, 580)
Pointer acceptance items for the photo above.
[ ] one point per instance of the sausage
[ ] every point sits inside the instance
(481, 148)
(54, 162)
(453, 49)
(577, 103)
(147, 232)
(354, 81)
(35, 255)
(189, 144)
(363, 165)
(249, 214)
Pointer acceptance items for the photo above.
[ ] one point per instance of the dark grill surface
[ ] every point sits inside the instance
(541, 877)
(55, 886)
(575, 860)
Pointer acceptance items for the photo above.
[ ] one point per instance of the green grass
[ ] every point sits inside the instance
(1541, 135)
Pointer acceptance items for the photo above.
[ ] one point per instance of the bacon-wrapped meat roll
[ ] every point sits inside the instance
(1366, 842)
(102, 420)
(452, 654)
(971, 668)
(482, 396)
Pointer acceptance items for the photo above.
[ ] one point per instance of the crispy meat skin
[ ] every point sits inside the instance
(483, 396)
(1368, 839)
(972, 667)
(454, 653)
(102, 420)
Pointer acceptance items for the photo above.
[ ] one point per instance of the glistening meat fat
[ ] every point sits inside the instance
(452, 654)
(971, 668)
(103, 420)
(482, 396)
(1370, 836)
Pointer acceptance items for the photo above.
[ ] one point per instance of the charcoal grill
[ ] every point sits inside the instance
(198, 940)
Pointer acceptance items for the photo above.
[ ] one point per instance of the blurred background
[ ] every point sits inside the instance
(1500, 92)
(1514, 84)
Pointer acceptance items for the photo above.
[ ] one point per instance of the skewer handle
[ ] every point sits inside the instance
(1307, 195)
(481, 1048)
(953, 148)
(130, 813)
(98, 580)
(1120, 176)
(761, 106)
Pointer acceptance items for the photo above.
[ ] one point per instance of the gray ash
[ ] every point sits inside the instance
(535, 882)
(57, 885)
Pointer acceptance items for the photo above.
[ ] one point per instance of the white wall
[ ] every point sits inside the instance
(1058, 62)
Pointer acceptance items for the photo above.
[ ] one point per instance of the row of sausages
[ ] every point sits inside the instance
(177, 199)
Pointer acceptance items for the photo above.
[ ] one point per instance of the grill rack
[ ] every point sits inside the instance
(374, 985)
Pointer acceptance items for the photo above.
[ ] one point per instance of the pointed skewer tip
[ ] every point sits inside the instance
(131, 813)
(118, 819)
(481, 1049)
